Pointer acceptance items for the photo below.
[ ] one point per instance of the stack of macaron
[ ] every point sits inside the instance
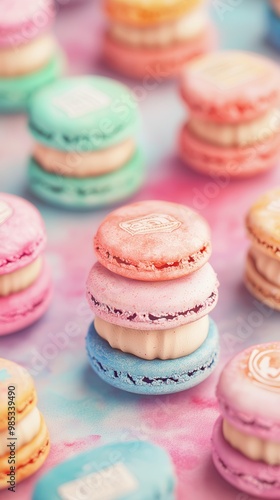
(25, 282)
(274, 22)
(151, 292)
(24, 438)
(154, 40)
(262, 275)
(85, 153)
(246, 438)
(131, 470)
(233, 127)
(29, 55)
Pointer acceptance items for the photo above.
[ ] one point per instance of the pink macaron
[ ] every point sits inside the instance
(25, 283)
(153, 241)
(234, 120)
(22, 21)
(246, 438)
(155, 305)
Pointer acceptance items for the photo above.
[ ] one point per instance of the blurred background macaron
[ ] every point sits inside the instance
(29, 54)
(273, 15)
(25, 281)
(155, 39)
(85, 153)
(24, 437)
(131, 470)
(246, 438)
(233, 127)
(262, 274)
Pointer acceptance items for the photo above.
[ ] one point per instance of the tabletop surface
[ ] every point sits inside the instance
(82, 411)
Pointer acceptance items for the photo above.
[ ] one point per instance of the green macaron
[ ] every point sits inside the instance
(15, 92)
(94, 119)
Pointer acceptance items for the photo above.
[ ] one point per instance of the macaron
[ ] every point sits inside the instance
(153, 241)
(24, 438)
(246, 438)
(29, 56)
(273, 16)
(25, 282)
(153, 40)
(152, 333)
(85, 153)
(127, 470)
(234, 119)
(263, 259)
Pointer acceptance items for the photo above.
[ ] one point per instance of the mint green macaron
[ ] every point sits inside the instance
(15, 92)
(91, 119)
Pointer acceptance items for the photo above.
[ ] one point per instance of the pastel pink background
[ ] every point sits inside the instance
(81, 411)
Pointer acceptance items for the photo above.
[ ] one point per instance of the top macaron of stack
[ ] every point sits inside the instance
(151, 292)
(28, 51)
(155, 38)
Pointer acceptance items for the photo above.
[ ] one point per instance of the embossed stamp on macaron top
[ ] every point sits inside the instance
(81, 101)
(264, 368)
(109, 483)
(231, 71)
(6, 211)
(153, 223)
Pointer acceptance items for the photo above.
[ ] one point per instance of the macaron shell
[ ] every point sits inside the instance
(87, 192)
(22, 21)
(260, 287)
(22, 233)
(239, 162)
(29, 458)
(141, 13)
(15, 92)
(250, 377)
(156, 64)
(231, 86)
(263, 223)
(255, 478)
(83, 114)
(153, 241)
(136, 375)
(12, 374)
(139, 469)
(151, 305)
(19, 310)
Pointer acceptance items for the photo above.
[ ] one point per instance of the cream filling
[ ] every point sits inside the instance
(20, 279)
(24, 59)
(163, 344)
(89, 164)
(25, 431)
(268, 267)
(241, 134)
(251, 446)
(181, 30)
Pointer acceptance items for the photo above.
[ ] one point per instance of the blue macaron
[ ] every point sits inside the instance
(135, 470)
(133, 374)
(273, 28)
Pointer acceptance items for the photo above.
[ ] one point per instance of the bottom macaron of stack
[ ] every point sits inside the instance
(156, 337)
(23, 456)
(246, 439)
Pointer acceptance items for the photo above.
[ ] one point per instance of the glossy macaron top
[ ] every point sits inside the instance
(249, 390)
(231, 87)
(22, 233)
(263, 223)
(84, 113)
(143, 13)
(131, 470)
(16, 386)
(23, 20)
(151, 306)
(153, 241)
